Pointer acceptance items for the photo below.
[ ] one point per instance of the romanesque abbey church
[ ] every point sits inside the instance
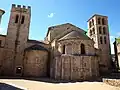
(68, 52)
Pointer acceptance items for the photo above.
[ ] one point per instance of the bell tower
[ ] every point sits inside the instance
(16, 39)
(98, 31)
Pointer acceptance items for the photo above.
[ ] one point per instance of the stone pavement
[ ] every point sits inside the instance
(22, 84)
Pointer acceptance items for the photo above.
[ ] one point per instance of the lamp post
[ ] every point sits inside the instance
(1, 13)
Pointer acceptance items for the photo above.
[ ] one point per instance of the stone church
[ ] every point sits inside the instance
(67, 52)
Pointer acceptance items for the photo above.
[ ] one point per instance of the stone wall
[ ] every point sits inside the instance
(69, 67)
(73, 46)
(35, 63)
(16, 38)
(2, 38)
(113, 82)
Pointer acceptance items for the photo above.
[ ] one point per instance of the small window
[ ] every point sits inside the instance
(103, 21)
(23, 18)
(92, 22)
(82, 49)
(104, 30)
(90, 33)
(18, 70)
(105, 40)
(99, 21)
(93, 31)
(63, 49)
(16, 19)
(101, 41)
(100, 30)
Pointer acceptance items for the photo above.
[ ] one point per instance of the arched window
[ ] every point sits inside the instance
(90, 33)
(99, 21)
(82, 49)
(105, 40)
(23, 18)
(93, 30)
(16, 19)
(63, 49)
(92, 22)
(104, 30)
(100, 30)
(101, 41)
(103, 21)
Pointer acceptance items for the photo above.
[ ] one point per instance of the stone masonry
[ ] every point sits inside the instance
(67, 52)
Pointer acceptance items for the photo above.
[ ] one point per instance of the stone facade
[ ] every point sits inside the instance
(35, 63)
(70, 67)
(73, 65)
(98, 31)
(66, 53)
(16, 38)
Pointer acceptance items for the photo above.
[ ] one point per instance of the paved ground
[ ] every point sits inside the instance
(21, 84)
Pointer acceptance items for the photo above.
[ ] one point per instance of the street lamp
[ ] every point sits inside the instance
(1, 13)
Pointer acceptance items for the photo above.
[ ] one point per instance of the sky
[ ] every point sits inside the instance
(46, 13)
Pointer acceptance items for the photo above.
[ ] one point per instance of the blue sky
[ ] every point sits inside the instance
(47, 13)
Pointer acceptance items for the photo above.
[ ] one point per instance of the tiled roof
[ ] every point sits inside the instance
(65, 24)
(35, 41)
(75, 34)
(36, 47)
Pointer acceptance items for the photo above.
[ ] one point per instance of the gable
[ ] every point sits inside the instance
(58, 30)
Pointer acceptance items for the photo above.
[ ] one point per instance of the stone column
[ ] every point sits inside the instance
(55, 68)
(90, 62)
(71, 68)
(62, 68)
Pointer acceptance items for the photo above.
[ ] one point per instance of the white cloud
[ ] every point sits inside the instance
(51, 15)
(118, 34)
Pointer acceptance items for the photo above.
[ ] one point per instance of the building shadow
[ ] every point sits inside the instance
(4, 86)
(112, 76)
(51, 80)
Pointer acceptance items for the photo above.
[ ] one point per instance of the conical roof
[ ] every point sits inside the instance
(74, 35)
